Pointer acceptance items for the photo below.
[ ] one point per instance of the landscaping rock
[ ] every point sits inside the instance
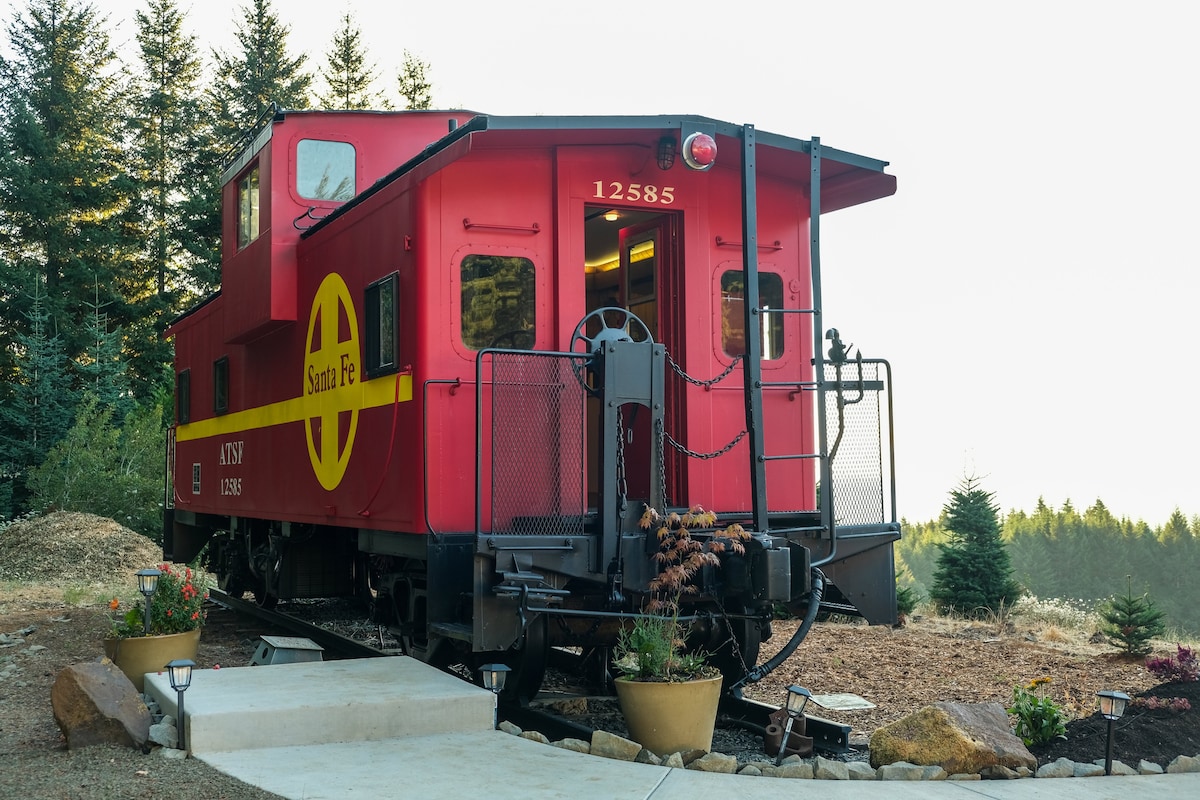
(900, 771)
(1145, 767)
(1184, 764)
(578, 745)
(1118, 768)
(715, 762)
(800, 769)
(959, 737)
(609, 745)
(860, 771)
(827, 770)
(94, 703)
(1059, 768)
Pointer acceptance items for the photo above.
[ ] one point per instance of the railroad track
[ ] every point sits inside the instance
(828, 736)
(552, 725)
(333, 642)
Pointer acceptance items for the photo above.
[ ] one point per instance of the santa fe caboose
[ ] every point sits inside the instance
(455, 355)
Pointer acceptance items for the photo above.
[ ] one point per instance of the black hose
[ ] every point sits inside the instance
(814, 605)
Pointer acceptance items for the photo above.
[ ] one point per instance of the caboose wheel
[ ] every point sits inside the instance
(737, 641)
(527, 665)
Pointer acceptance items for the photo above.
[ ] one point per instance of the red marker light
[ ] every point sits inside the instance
(699, 151)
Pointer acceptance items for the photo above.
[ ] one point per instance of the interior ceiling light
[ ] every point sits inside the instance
(611, 215)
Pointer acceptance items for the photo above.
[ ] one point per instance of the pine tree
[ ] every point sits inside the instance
(262, 73)
(974, 573)
(175, 211)
(62, 184)
(1131, 622)
(36, 404)
(347, 73)
(415, 88)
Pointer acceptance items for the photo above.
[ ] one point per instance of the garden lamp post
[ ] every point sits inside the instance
(797, 699)
(494, 676)
(179, 672)
(1112, 706)
(147, 584)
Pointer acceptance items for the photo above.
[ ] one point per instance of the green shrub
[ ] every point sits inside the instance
(1039, 719)
(101, 469)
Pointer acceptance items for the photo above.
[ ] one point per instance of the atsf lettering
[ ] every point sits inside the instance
(231, 452)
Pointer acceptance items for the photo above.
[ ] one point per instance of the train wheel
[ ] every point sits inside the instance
(527, 665)
(738, 639)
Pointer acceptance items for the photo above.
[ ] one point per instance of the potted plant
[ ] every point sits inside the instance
(667, 694)
(176, 614)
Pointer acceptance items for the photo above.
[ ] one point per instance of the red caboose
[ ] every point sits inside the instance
(453, 356)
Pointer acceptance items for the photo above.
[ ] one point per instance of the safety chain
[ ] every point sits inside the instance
(696, 381)
(622, 485)
(705, 456)
(662, 460)
(737, 650)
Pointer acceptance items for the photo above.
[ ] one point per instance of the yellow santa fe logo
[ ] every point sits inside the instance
(331, 376)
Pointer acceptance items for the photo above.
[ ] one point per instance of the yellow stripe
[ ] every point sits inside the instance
(365, 394)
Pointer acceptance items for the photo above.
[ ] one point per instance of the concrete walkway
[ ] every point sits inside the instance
(498, 766)
(397, 728)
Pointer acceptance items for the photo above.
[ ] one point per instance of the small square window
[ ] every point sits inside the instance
(381, 339)
(498, 301)
(183, 397)
(325, 170)
(221, 385)
(733, 314)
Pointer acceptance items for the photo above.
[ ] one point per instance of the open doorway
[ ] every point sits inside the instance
(633, 262)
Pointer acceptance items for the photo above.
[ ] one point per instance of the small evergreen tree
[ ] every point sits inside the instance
(347, 73)
(415, 87)
(1131, 622)
(974, 573)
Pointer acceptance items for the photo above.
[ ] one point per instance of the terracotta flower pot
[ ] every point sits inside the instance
(135, 656)
(670, 718)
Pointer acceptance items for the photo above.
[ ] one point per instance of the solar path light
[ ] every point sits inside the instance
(1112, 706)
(797, 699)
(494, 676)
(147, 584)
(179, 672)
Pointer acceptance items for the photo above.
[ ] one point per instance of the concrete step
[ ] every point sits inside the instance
(323, 702)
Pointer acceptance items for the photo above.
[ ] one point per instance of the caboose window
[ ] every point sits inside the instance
(381, 337)
(248, 208)
(183, 397)
(733, 313)
(497, 302)
(324, 170)
(221, 385)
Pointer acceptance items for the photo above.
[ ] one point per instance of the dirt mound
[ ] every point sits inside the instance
(68, 547)
(1156, 735)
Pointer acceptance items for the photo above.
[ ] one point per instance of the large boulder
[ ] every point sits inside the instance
(94, 703)
(958, 737)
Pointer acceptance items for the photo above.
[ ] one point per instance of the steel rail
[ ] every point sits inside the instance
(331, 641)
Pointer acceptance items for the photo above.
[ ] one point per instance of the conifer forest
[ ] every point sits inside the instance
(110, 226)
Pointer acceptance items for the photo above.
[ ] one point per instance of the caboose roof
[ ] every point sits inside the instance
(847, 179)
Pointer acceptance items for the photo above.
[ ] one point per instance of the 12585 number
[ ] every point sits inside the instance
(634, 192)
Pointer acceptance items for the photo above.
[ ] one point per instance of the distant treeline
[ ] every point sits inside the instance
(1084, 557)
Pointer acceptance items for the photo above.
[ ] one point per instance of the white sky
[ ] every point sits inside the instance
(1030, 281)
